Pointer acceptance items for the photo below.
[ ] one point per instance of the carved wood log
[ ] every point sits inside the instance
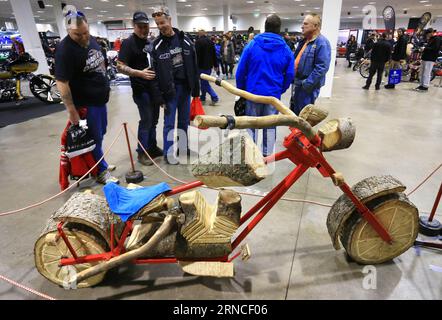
(208, 230)
(91, 210)
(236, 162)
(365, 190)
(163, 231)
(313, 114)
(208, 269)
(337, 134)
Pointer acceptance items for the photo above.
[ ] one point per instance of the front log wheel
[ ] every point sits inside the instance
(49, 250)
(397, 214)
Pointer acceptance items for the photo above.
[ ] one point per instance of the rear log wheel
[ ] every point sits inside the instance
(44, 88)
(400, 218)
(49, 249)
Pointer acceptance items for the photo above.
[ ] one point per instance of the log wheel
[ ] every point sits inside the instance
(49, 249)
(397, 214)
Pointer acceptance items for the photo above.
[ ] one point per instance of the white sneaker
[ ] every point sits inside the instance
(106, 177)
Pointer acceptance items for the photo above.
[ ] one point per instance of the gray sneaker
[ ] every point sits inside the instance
(106, 177)
(144, 160)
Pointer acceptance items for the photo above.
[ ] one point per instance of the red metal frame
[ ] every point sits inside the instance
(303, 153)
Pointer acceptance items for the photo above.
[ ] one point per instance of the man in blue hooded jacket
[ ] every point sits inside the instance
(312, 60)
(266, 68)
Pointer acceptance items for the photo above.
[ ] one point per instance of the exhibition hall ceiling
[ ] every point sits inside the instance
(105, 10)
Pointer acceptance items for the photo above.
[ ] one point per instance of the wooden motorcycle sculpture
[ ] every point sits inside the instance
(13, 72)
(373, 220)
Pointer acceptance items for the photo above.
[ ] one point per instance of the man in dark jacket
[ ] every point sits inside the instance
(178, 77)
(429, 56)
(266, 68)
(399, 53)
(206, 57)
(134, 60)
(380, 54)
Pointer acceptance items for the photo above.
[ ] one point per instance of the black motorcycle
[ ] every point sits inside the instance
(16, 69)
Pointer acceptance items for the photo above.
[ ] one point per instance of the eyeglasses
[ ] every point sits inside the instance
(72, 13)
(159, 14)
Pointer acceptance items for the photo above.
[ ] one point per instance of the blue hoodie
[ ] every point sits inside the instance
(266, 66)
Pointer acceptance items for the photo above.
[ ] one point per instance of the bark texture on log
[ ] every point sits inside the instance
(89, 209)
(313, 114)
(236, 162)
(337, 134)
(401, 219)
(365, 190)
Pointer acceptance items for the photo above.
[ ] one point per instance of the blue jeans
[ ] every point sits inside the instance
(180, 102)
(147, 126)
(206, 88)
(97, 123)
(301, 98)
(269, 134)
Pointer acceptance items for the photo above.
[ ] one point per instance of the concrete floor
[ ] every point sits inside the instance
(398, 133)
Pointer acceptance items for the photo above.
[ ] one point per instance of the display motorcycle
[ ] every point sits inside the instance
(14, 71)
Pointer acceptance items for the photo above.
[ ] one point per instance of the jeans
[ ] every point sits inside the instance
(97, 123)
(269, 134)
(426, 68)
(301, 98)
(180, 102)
(147, 125)
(206, 88)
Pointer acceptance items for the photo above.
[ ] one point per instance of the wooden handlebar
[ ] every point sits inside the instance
(288, 117)
(245, 122)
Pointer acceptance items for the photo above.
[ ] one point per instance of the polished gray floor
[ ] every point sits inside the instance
(398, 132)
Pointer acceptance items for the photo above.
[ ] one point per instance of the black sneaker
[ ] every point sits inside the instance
(421, 88)
(389, 86)
(155, 152)
(365, 87)
(377, 88)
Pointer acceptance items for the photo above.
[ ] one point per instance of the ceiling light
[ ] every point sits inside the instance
(49, 5)
(423, 1)
(103, 11)
(251, 1)
(104, 0)
(37, 11)
(111, 17)
(100, 15)
(87, 8)
(205, 9)
(182, 0)
(373, 2)
(317, 8)
(355, 7)
(427, 5)
(308, 10)
(188, 5)
(119, 5)
(302, 5)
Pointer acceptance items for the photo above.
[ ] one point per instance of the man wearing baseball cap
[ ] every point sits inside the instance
(135, 60)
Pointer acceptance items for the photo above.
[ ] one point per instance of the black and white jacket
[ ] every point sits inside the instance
(164, 69)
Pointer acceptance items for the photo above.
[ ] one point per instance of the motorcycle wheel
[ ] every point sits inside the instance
(44, 88)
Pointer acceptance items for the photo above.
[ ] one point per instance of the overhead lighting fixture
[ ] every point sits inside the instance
(182, 0)
(317, 8)
(119, 5)
(308, 10)
(355, 7)
(204, 9)
(104, 0)
(188, 5)
(428, 5)
(423, 1)
(302, 5)
(100, 15)
(103, 11)
(87, 8)
(251, 1)
(373, 2)
(37, 11)
(49, 5)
